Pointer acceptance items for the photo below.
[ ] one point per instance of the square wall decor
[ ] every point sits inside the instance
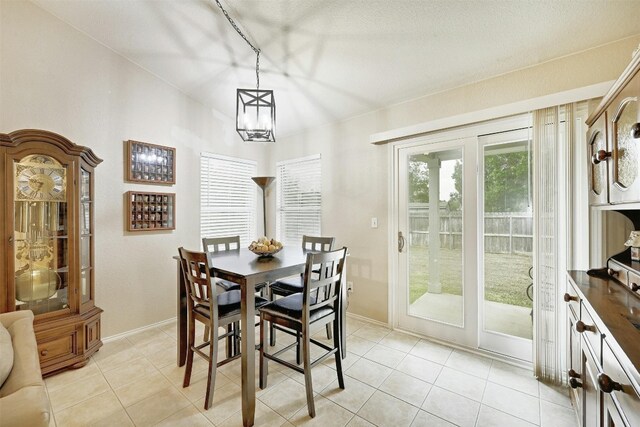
(150, 163)
(150, 211)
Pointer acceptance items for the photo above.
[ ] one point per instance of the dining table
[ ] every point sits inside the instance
(248, 270)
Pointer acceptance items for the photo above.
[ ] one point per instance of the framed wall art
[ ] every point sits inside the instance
(150, 211)
(150, 163)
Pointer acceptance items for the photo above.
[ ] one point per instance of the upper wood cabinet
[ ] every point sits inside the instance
(598, 169)
(614, 138)
(47, 243)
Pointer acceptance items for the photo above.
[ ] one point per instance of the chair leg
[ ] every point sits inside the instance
(231, 341)
(272, 330)
(329, 326)
(337, 343)
(205, 336)
(213, 365)
(298, 349)
(308, 384)
(264, 367)
(191, 337)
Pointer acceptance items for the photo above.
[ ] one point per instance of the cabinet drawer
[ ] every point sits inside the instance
(590, 332)
(634, 282)
(57, 345)
(620, 274)
(572, 299)
(626, 399)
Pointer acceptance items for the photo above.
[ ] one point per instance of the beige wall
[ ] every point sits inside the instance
(56, 78)
(356, 173)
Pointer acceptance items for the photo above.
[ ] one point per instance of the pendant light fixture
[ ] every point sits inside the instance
(255, 108)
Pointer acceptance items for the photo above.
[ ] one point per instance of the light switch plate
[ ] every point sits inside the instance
(374, 222)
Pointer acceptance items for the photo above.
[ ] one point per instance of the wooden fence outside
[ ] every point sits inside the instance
(504, 233)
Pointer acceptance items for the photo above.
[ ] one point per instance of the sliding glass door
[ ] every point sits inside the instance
(432, 238)
(506, 243)
(465, 235)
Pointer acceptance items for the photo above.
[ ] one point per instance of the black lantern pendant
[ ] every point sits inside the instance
(256, 115)
(255, 108)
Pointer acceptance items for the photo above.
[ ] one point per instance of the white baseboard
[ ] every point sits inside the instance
(137, 330)
(368, 320)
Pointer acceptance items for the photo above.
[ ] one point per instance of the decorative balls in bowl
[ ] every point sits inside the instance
(265, 247)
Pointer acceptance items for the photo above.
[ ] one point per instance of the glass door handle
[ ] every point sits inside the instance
(400, 241)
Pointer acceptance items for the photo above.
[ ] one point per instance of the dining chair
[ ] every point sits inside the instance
(318, 304)
(293, 285)
(214, 310)
(222, 244)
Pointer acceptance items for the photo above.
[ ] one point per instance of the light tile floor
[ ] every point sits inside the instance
(392, 379)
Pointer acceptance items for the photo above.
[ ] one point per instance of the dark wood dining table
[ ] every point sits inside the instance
(248, 270)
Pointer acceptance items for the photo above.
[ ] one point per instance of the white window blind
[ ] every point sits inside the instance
(299, 196)
(227, 197)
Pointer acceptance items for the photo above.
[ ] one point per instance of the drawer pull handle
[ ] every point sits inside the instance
(635, 287)
(608, 385)
(574, 383)
(44, 352)
(573, 374)
(613, 273)
(635, 130)
(567, 297)
(581, 327)
(600, 156)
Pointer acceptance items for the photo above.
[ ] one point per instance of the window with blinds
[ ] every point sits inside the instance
(227, 197)
(298, 205)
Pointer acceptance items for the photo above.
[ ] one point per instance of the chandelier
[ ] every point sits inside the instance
(255, 108)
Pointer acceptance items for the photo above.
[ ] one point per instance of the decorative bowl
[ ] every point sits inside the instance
(265, 254)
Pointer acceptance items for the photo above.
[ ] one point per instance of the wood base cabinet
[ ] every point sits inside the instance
(603, 351)
(47, 243)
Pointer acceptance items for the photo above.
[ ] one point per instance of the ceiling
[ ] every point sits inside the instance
(328, 60)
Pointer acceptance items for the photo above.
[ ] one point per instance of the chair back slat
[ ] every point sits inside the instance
(221, 244)
(324, 286)
(195, 268)
(318, 244)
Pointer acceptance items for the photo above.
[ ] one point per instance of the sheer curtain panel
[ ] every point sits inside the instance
(553, 128)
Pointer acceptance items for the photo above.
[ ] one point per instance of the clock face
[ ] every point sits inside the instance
(40, 182)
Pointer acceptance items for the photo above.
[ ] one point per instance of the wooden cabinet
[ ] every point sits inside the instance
(615, 124)
(603, 351)
(47, 243)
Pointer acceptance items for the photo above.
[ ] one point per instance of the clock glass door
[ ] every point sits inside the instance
(86, 234)
(41, 248)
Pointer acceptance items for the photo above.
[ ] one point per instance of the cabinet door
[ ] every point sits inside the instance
(42, 234)
(616, 384)
(574, 362)
(612, 415)
(591, 393)
(598, 162)
(624, 116)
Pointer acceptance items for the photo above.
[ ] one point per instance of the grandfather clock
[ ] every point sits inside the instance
(47, 261)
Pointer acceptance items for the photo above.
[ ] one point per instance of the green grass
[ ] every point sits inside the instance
(506, 275)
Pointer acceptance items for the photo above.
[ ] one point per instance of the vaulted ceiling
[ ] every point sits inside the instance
(328, 60)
